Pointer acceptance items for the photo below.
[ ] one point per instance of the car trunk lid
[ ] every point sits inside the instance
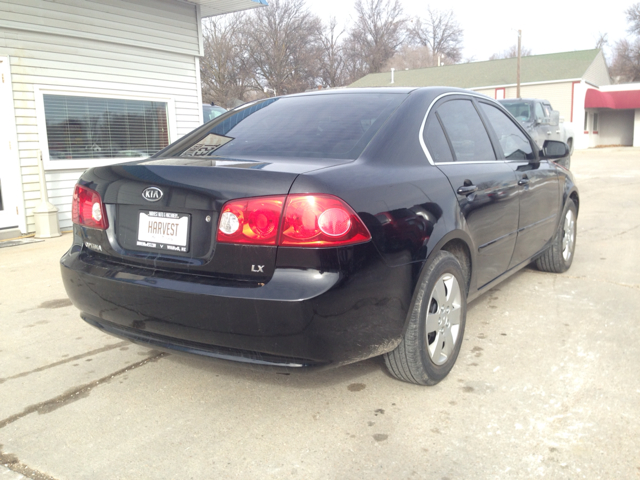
(163, 213)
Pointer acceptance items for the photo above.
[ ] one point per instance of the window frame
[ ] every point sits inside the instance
(43, 140)
(475, 98)
(432, 110)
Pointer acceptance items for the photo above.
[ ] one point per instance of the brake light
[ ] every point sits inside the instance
(299, 220)
(251, 220)
(87, 209)
(320, 221)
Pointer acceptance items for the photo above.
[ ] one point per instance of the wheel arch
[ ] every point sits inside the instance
(569, 142)
(459, 244)
(573, 195)
(460, 249)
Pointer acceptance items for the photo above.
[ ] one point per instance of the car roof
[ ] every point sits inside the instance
(406, 90)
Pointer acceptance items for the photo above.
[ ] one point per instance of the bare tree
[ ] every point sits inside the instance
(625, 63)
(375, 37)
(223, 70)
(602, 41)
(410, 57)
(332, 67)
(440, 32)
(625, 55)
(633, 17)
(283, 46)
(511, 52)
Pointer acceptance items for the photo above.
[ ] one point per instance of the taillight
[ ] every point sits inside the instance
(300, 220)
(320, 221)
(87, 208)
(251, 220)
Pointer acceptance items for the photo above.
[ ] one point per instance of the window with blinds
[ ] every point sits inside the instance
(89, 127)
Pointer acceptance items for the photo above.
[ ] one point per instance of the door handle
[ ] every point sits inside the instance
(523, 181)
(467, 190)
(548, 133)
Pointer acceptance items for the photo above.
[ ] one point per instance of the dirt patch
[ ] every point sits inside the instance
(60, 303)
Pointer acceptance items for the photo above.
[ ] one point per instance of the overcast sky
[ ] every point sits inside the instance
(547, 26)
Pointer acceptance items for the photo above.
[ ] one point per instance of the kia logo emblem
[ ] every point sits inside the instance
(152, 194)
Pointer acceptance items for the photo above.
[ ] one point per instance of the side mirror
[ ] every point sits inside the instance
(555, 118)
(552, 150)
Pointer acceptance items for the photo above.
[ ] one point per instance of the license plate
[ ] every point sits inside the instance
(164, 230)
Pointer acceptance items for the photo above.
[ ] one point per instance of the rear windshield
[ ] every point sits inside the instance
(319, 126)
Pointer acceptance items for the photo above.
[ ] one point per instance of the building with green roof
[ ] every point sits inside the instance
(562, 78)
(535, 69)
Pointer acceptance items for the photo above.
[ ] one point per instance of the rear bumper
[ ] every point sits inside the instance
(300, 318)
(154, 340)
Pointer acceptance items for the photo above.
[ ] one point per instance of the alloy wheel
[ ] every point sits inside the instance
(569, 235)
(443, 319)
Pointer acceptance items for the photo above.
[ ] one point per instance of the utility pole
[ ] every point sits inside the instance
(518, 72)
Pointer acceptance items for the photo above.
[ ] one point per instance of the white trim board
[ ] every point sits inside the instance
(510, 85)
(14, 211)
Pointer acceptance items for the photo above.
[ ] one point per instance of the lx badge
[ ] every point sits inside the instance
(257, 268)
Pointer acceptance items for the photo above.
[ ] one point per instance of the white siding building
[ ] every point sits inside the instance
(92, 82)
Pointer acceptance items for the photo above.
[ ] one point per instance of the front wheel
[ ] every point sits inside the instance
(559, 256)
(431, 344)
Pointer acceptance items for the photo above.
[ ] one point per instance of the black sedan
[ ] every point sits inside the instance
(321, 229)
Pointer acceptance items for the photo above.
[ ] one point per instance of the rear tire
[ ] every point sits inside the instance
(559, 256)
(430, 346)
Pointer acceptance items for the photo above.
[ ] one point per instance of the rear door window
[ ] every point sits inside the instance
(466, 132)
(436, 141)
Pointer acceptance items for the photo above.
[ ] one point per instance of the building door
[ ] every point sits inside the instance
(9, 191)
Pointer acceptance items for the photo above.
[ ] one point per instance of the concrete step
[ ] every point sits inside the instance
(13, 232)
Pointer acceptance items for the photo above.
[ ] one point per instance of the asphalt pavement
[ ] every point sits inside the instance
(546, 385)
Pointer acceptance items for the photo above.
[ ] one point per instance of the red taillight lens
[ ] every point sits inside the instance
(87, 208)
(321, 221)
(308, 221)
(251, 220)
